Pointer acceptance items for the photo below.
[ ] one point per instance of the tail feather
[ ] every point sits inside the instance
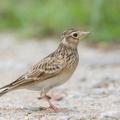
(7, 88)
(4, 86)
(4, 91)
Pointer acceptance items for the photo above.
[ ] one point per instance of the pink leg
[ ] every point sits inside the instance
(52, 106)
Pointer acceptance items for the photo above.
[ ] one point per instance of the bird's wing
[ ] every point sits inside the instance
(47, 68)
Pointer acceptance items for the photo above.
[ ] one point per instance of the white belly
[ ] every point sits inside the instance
(48, 84)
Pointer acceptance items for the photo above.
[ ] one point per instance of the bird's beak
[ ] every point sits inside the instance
(82, 34)
(85, 33)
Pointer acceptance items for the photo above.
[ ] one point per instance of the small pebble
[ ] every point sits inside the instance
(111, 115)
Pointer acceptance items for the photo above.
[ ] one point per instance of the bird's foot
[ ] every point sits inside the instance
(52, 107)
(55, 109)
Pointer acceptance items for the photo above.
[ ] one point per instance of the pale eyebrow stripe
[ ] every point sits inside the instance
(72, 30)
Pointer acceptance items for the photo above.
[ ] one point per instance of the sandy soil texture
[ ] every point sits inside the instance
(92, 93)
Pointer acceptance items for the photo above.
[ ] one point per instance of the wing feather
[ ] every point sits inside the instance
(47, 68)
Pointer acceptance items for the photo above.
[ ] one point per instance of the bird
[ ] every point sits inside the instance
(53, 70)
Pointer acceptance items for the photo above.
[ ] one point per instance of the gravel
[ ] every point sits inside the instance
(113, 115)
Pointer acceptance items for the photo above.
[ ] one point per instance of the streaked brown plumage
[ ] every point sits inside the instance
(53, 70)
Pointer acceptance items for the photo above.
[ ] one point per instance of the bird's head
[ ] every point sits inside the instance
(71, 37)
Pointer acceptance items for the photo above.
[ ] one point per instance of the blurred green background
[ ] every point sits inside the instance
(38, 18)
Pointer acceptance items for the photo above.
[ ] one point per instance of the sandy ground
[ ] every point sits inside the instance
(93, 92)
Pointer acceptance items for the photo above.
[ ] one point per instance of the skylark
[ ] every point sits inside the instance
(53, 70)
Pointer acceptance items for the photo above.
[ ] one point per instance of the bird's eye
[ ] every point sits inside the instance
(75, 35)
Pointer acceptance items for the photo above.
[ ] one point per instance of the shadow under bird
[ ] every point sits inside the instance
(53, 70)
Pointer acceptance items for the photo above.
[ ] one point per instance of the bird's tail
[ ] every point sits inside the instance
(4, 90)
(19, 83)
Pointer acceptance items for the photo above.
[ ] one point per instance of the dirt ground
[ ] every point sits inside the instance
(92, 93)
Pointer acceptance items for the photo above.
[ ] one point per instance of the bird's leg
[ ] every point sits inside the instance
(52, 106)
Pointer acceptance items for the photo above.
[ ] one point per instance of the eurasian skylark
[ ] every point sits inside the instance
(53, 70)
